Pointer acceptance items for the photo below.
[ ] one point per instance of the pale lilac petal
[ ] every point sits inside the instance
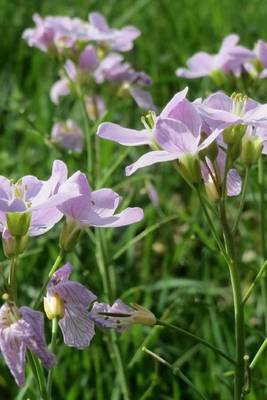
(73, 293)
(199, 65)
(171, 106)
(142, 97)
(105, 202)
(174, 137)
(99, 21)
(124, 136)
(60, 88)
(150, 158)
(213, 136)
(218, 101)
(88, 59)
(128, 216)
(77, 329)
(187, 113)
(43, 220)
(229, 42)
(234, 183)
(261, 50)
(61, 275)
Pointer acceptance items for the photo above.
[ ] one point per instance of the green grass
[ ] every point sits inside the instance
(187, 282)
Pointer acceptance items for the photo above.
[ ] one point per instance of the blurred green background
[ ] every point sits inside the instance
(174, 268)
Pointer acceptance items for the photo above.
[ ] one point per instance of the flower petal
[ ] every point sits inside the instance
(150, 158)
(124, 136)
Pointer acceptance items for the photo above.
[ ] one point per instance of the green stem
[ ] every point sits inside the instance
(34, 370)
(53, 269)
(242, 201)
(176, 371)
(256, 280)
(238, 306)
(35, 363)
(258, 354)
(12, 280)
(89, 144)
(196, 339)
(261, 181)
(108, 292)
(53, 348)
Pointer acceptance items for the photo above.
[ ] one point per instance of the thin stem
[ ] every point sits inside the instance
(113, 167)
(261, 181)
(242, 201)
(40, 374)
(34, 370)
(196, 339)
(108, 292)
(238, 306)
(258, 354)
(53, 348)
(89, 144)
(12, 280)
(256, 280)
(53, 269)
(175, 370)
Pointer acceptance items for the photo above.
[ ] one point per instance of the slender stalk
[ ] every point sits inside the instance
(34, 370)
(256, 280)
(37, 368)
(238, 305)
(53, 348)
(53, 269)
(12, 280)
(261, 181)
(175, 370)
(196, 339)
(89, 144)
(113, 337)
(258, 354)
(242, 201)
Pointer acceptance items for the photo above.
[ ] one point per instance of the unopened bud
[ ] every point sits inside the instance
(251, 150)
(143, 316)
(70, 234)
(13, 246)
(190, 168)
(233, 134)
(212, 191)
(54, 306)
(18, 223)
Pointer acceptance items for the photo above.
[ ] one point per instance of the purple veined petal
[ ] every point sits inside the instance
(257, 116)
(5, 187)
(77, 328)
(77, 183)
(261, 51)
(213, 136)
(128, 216)
(73, 293)
(88, 59)
(105, 202)
(61, 275)
(142, 97)
(234, 183)
(35, 340)
(125, 40)
(32, 186)
(43, 220)
(177, 98)
(174, 137)
(150, 158)
(214, 118)
(218, 101)
(77, 207)
(188, 114)
(15, 205)
(60, 88)
(124, 136)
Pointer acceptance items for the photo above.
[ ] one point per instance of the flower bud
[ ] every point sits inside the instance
(251, 150)
(70, 234)
(142, 316)
(54, 306)
(18, 223)
(218, 77)
(190, 168)
(233, 134)
(212, 191)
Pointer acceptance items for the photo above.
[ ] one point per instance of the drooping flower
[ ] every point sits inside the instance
(69, 301)
(30, 204)
(95, 208)
(115, 39)
(119, 316)
(22, 329)
(55, 33)
(175, 133)
(230, 59)
(68, 135)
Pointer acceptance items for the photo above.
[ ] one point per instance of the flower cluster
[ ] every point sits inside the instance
(231, 59)
(91, 53)
(199, 135)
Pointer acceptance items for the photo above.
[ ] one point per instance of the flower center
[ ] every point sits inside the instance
(239, 103)
(149, 120)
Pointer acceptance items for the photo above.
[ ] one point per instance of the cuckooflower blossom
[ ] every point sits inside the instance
(261, 52)
(96, 107)
(115, 39)
(33, 200)
(95, 208)
(230, 59)
(55, 33)
(22, 329)
(120, 316)
(68, 135)
(70, 301)
(175, 133)
(220, 110)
